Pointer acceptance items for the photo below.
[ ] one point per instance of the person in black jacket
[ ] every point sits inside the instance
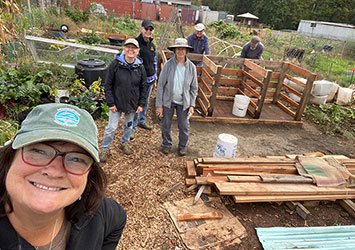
(52, 187)
(148, 53)
(125, 91)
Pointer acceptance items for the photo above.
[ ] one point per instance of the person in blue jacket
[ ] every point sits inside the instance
(52, 187)
(126, 92)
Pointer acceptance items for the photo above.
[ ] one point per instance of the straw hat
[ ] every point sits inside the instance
(180, 43)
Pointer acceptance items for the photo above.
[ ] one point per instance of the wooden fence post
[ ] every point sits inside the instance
(217, 77)
(263, 94)
(283, 72)
(305, 97)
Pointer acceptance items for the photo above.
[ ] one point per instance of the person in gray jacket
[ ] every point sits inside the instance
(176, 90)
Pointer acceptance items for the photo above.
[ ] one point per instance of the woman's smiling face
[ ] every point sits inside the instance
(44, 189)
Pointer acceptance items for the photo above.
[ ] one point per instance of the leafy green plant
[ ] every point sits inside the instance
(125, 25)
(76, 14)
(333, 119)
(92, 38)
(8, 129)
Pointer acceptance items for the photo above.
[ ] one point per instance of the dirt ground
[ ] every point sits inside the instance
(138, 180)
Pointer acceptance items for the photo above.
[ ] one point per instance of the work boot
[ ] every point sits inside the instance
(145, 125)
(165, 150)
(133, 134)
(104, 154)
(125, 148)
(182, 152)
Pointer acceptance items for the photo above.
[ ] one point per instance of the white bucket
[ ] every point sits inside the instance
(226, 146)
(60, 94)
(240, 106)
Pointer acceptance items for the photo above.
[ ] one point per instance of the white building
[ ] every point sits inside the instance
(335, 31)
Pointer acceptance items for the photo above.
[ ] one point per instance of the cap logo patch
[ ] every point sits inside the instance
(67, 117)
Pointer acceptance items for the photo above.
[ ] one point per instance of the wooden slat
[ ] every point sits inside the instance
(232, 120)
(230, 82)
(252, 78)
(204, 84)
(253, 91)
(256, 68)
(163, 57)
(292, 90)
(231, 72)
(207, 75)
(244, 178)
(190, 181)
(228, 173)
(284, 108)
(202, 105)
(298, 70)
(275, 75)
(229, 188)
(289, 100)
(210, 64)
(190, 167)
(264, 198)
(208, 160)
(200, 216)
(205, 180)
(286, 179)
(348, 205)
(222, 91)
(305, 97)
(236, 171)
(203, 97)
(298, 82)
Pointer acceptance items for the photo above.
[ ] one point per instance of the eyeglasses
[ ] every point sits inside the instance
(151, 29)
(41, 155)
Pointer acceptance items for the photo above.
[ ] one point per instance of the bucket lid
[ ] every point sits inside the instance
(91, 63)
(228, 138)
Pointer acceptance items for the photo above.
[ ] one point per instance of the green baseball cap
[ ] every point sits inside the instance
(59, 122)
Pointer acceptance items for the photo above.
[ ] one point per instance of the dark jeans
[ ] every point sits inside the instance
(183, 125)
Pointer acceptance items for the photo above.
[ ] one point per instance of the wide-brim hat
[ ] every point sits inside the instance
(180, 43)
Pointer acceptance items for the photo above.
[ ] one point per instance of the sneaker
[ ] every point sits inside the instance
(133, 134)
(104, 154)
(182, 152)
(144, 125)
(165, 150)
(125, 148)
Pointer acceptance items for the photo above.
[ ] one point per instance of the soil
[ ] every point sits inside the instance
(137, 181)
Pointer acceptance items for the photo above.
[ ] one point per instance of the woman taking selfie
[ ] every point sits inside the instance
(52, 187)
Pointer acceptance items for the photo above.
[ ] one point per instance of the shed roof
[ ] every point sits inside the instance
(248, 15)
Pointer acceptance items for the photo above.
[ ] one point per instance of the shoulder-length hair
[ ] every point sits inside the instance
(91, 199)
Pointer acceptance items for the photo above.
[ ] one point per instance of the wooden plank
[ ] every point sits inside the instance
(217, 77)
(286, 109)
(207, 180)
(248, 165)
(202, 105)
(263, 94)
(250, 89)
(284, 70)
(275, 75)
(252, 78)
(348, 205)
(163, 57)
(210, 64)
(292, 90)
(204, 84)
(235, 172)
(286, 179)
(207, 75)
(233, 178)
(230, 82)
(258, 171)
(233, 120)
(241, 160)
(200, 216)
(305, 97)
(302, 211)
(289, 100)
(229, 188)
(231, 72)
(190, 181)
(270, 198)
(227, 91)
(256, 68)
(298, 82)
(203, 97)
(299, 70)
(191, 170)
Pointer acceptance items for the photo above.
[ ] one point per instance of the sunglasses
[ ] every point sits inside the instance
(151, 29)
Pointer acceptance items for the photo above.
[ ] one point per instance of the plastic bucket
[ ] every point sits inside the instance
(226, 146)
(61, 93)
(240, 106)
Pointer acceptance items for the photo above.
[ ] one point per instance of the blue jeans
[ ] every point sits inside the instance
(113, 121)
(183, 125)
(142, 115)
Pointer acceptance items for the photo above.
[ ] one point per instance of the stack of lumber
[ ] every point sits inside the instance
(264, 179)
